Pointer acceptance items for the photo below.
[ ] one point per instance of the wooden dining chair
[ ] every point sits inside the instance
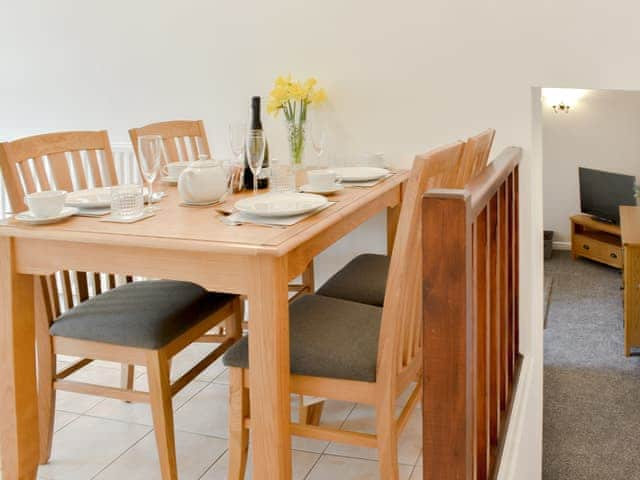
(87, 315)
(475, 157)
(347, 283)
(183, 140)
(351, 351)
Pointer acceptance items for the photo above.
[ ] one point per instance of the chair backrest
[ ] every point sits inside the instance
(183, 140)
(400, 343)
(65, 161)
(475, 157)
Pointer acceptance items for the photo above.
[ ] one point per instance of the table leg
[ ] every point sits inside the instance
(18, 395)
(269, 368)
(393, 215)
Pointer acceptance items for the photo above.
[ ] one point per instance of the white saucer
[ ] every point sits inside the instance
(184, 203)
(308, 188)
(31, 219)
(169, 180)
(361, 174)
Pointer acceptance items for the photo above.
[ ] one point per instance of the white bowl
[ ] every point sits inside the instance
(46, 204)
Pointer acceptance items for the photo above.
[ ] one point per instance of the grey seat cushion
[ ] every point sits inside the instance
(362, 280)
(146, 314)
(329, 338)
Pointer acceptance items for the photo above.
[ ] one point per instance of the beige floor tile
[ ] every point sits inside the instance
(223, 378)
(333, 415)
(302, 463)
(78, 403)
(87, 445)
(62, 419)
(196, 453)
(330, 467)
(140, 412)
(362, 419)
(206, 412)
(192, 355)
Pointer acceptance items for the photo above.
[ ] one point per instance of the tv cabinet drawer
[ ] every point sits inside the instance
(596, 249)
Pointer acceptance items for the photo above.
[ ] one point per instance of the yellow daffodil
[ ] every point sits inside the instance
(293, 97)
(318, 96)
(273, 108)
(309, 84)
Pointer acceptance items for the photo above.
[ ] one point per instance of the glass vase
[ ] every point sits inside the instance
(296, 135)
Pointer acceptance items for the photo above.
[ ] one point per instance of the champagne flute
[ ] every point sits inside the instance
(237, 135)
(254, 148)
(318, 136)
(149, 156)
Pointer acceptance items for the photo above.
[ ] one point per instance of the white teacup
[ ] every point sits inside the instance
(322, 178)
(174, 169)
(46, 204)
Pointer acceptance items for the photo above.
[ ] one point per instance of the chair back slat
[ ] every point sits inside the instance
(77, 170)
(67, 289)
(183, 140)
(399, 343)
(60, 171)
(474, 158)
(184, 155)
(41, 173)
(83, 286)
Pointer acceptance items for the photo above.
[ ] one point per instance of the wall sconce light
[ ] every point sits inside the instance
(561, 107)
(562, 99)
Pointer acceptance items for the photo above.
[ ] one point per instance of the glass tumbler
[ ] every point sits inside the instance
(127, 201)
(283, 177)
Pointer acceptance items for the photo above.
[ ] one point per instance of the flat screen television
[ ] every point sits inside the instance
(602, 193)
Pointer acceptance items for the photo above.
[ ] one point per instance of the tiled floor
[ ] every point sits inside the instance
(106, 439)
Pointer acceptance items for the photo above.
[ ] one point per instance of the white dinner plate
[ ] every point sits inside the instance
(93, 198)
(280, 204)
(360, 174)
(31, 219)
(308, 188)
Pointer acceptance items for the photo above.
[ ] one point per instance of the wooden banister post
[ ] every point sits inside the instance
(449, 345)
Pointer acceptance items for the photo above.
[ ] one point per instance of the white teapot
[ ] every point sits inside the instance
(203, 181)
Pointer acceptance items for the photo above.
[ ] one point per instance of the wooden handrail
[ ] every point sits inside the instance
(470, 321)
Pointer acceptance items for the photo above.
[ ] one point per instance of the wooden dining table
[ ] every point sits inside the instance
(180, 243)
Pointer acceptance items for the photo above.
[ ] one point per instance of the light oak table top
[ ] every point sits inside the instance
(196, 228)
(181, 243)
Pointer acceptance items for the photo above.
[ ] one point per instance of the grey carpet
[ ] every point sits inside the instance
(548, 287)
(591, 391)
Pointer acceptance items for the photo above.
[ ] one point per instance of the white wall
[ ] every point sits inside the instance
(402, 76)
(601, 132)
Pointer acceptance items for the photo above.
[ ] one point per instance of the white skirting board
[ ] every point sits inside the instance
(519, 438)
(562, 245)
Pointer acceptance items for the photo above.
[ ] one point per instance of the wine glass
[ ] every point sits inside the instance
(237, 135)
(318, 136)
(149, 156)
(254, 148)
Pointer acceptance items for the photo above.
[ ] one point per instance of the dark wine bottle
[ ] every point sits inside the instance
(263, 176)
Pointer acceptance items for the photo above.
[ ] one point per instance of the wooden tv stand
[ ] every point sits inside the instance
(598, 241)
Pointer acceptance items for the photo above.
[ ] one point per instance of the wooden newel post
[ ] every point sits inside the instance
(448, 337)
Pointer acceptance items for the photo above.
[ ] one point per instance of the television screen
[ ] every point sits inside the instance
(602, 193)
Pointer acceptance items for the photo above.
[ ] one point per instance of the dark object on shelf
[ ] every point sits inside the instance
(548, 244)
